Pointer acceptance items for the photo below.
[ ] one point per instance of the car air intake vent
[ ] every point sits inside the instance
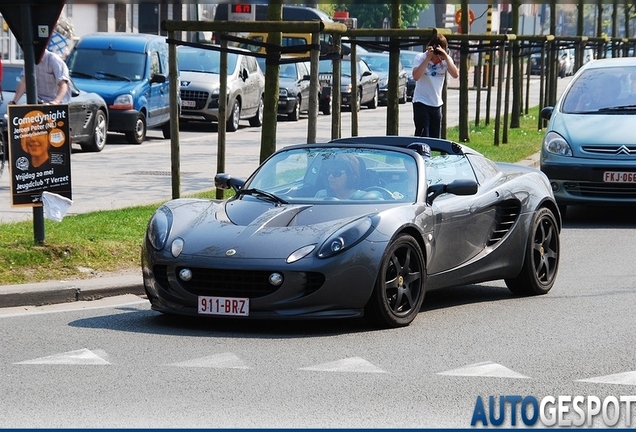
(506, 216)
(244, 283)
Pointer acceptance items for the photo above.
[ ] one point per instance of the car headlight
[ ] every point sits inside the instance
(124, 101)
(215, 92)
(282, 92)
(556, 144)
(347, 88)
(159, 227)
(384, 82)
(346, 237)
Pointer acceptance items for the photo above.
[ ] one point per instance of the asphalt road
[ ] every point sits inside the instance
(114, 363)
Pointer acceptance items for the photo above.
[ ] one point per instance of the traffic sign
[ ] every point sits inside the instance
(43, 16)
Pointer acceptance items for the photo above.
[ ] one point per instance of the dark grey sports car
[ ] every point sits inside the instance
(357, 226)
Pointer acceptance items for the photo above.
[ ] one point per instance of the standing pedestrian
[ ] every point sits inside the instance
(429, 71)
(52, 78)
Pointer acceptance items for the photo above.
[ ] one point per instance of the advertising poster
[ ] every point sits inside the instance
(39, 152)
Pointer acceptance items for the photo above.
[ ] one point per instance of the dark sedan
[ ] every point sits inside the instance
(357, 226)
(88, 113)
(407, 58)
(293, 88)
(368, 82)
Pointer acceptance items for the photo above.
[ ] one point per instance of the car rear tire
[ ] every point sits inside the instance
(257, 120)
(295, 114)
(399, 288)
(374, 102)
(100, 131)
(235, 115)
(138, 135)
(541, 261)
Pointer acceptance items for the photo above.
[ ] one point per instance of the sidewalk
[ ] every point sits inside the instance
(94, 288)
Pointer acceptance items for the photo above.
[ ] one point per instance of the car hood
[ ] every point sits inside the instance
(108, 89)
(597, 129)
(199, 78)
(261, 229)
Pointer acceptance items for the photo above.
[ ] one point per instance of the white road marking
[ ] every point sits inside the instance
(484, 369)
(352, 364)
(224, 360)
(624, 378)
(83, 356)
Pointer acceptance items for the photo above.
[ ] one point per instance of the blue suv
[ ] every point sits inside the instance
(130, 71)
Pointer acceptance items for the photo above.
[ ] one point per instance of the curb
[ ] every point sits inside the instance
(52, 292)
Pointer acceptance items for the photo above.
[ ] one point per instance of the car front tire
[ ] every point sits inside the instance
(399, 288)
(100, 132)
(138, 135)
(541, 261)
(295, 114)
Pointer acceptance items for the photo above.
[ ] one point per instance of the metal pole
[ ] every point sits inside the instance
(31, 91)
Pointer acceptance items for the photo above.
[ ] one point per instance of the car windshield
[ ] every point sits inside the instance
(378, 63)
(107, 64)
(601, 90)
(336, 174)
(204, 60)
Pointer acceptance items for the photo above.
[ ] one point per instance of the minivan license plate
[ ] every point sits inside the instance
(619, 177)
(232, 306)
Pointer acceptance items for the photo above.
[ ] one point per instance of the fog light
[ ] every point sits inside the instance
(276, 279)
(555, 186)
(185, 275)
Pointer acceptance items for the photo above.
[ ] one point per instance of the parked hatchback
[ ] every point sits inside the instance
(293, 88)
(130, 71)
(199, 73)
(589, 152)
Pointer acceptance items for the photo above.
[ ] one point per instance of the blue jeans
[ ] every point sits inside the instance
(428, 120)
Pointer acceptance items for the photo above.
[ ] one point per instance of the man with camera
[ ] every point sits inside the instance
(429, 71)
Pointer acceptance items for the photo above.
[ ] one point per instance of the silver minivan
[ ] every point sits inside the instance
(199, 72)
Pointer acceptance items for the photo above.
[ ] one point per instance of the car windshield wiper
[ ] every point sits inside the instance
(262, 195)
(112, 75)
(618, 108)
(81, 74)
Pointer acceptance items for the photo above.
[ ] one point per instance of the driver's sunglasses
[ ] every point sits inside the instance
(335, 172)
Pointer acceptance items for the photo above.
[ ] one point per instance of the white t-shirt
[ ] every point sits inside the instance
(428, 89)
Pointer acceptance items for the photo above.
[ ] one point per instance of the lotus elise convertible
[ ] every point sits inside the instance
(360, 226)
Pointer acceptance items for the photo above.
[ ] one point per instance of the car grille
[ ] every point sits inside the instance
(200, 97)
(610, 150)
(614, 191)
(505, 217)
(235, 283)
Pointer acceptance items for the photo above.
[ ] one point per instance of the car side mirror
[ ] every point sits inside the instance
(225, 181)
(245, 74)
(158, 78)
(546, 112)
(456, 187)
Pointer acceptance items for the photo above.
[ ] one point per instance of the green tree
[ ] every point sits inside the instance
(371, 15)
